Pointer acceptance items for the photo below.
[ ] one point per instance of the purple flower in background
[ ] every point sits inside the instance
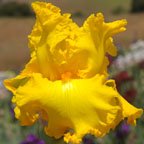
(12, 113)
(11, 110)
(32, 139)
(89, 139)
(123, 131)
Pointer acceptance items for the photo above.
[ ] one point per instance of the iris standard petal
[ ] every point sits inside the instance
(60, 45)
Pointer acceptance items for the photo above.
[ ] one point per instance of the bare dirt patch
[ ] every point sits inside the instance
(14, 51)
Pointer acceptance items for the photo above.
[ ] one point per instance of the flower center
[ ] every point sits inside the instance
(66, 76)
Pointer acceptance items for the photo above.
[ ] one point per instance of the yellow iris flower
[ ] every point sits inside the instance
(65, 83)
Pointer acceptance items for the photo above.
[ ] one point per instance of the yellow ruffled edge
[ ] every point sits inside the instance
(76, 138)
(94, 24)
(127, 111)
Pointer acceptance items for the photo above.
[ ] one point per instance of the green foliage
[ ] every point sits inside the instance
(137, 6)
(15, 9)
(78, 14)
(118, 10)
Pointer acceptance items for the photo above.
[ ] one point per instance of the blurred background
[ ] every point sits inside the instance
(16, 22)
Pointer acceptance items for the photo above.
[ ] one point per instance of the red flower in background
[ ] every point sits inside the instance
(141, 65)
(123, 76)
(130, 95)
(122, 79)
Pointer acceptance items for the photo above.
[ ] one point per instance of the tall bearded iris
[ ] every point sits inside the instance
(65, 82)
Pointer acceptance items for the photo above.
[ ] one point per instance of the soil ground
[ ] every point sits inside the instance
(14, 51)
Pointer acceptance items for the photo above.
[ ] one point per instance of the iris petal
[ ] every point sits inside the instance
(83, 105)
(59, 44)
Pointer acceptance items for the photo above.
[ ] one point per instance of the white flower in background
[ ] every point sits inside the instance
(137, 50)
(137, 45)
(135, 56)
(120, 62)
(129, 59)
(138, 55)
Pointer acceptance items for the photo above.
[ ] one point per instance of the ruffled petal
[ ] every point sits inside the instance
(59, 44)
(81, 105)
(45, 13)
(101, 34)
(52, 40)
